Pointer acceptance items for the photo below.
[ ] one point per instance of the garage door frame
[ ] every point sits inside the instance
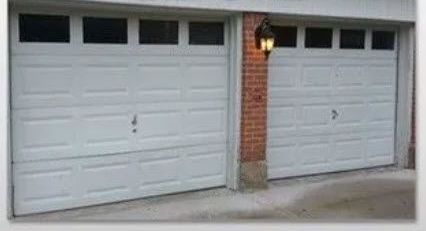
(234, 40)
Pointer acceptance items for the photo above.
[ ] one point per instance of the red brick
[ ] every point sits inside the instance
(254, 93)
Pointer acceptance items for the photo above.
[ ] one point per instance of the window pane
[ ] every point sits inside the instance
(352, 39)
(104, 30)
(206, 33)
(383, 40)
(158, 32)
(318, 37)
(44, 28)
(285, 36)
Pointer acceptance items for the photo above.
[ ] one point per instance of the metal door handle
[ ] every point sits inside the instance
(135, 120)
(334, 114)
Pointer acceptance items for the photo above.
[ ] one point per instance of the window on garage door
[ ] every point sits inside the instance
(383, 40)
(352, 39)
(158, 32)
(316, 37)
(104, 30)
(44, 28)
(285, 36)
(206, 33)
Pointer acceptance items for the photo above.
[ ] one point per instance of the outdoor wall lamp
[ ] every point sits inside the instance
(265, 38)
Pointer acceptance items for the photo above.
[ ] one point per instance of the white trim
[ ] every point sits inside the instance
(8, 135)
(395, 10)
(404, 95)
(234, 109)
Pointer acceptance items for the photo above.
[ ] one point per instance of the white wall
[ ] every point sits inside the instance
(395, 10)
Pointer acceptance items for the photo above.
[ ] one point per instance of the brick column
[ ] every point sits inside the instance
(253, 172)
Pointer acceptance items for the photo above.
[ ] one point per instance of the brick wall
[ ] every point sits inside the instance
(254, 93)
(254, 100)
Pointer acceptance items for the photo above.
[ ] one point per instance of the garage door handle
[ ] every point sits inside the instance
(135, 120)
(334, 114)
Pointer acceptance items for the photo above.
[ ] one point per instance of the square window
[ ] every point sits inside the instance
(158, 32)
(104, 30)
(383, 40)
(285, 36)
(206, 33)
(318, 37)
(352, 39)
(44, 28)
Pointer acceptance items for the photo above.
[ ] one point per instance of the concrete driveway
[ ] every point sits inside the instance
(385, 193)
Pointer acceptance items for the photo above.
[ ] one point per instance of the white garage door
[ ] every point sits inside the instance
(331, 104)
(113, 107)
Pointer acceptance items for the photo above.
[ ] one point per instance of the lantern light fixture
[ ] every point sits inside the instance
(265, 38)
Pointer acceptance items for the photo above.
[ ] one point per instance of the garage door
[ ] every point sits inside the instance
(110, 107)
(331, 104)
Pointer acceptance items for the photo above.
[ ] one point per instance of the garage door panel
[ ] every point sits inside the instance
(159, 122)
(206, 81)
(379, 146)
(105, 130)
(105, 81)
(315, 115)
(316, 76)
(28, 84)
(33, 182)
(160, 170)
(381, 75)
(158, 81)
(105, 178)
(207, 165)
(350, 76)
(380, 110)
(100, 179)
(352, 113)
(314, 153)
(44, 133)
(349, 149)
(282, 116)
(283, 76)
(282, 156)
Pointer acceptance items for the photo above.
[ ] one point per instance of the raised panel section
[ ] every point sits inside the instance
(351, 113)
(105, 130)
(316, 76)
(44, 133)
(315, 153)
(105, 178)
(163, 169)
(206, 81)
(158, 81)
(315, 115)
(349, 149)
(283, 76)
(381, 75)
(350, 76)
(103, 80)
(41, 82)
(282, 116)
(379, 146)
(379, 111)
